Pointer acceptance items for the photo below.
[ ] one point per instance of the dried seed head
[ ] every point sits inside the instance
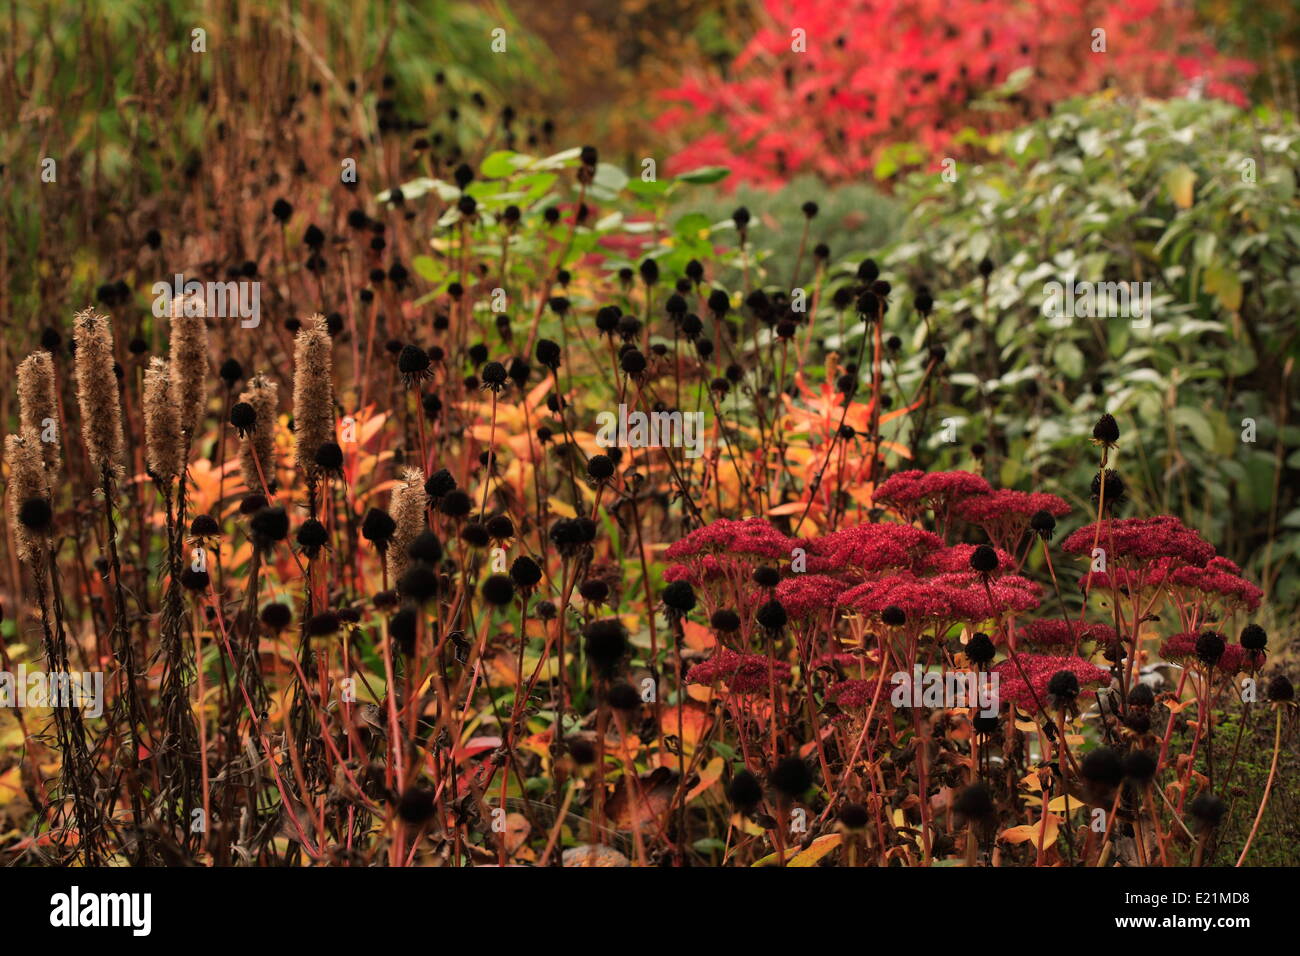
(164, 447)
(258, 446)
(188, 362)
(26, 482)
(97, 399)
(407, 508)
(313, 393)
(38, 403)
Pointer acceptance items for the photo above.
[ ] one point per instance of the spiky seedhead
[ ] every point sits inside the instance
(164, 446)
(313, 393)
(258, 446)
(97, 399)
(188, 362)
(26, 482)
(38, 404)
(408, 507)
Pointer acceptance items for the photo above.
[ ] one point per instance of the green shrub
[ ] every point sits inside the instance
(1197, 198)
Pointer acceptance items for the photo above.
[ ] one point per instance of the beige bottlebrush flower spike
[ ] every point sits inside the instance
(26, 481)
(189, 362)
(39, 405)
(164, 446)
(257, 449)
(101, 410)
(313, 393)
(407, 508)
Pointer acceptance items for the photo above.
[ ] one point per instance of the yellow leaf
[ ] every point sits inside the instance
(561, 508)
(1181, 182)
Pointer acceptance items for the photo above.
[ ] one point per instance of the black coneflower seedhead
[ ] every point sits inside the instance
(1141, 696)
(329, 458)
(1063, 687)
(1208, 811)
(986, 267)
(464, 175)
(924, 301)
(1043, 523)
(548, 353)
(455, 503)
(252, 504)
(772, 616)
(975, 803)
(36, 515)
(600, 468)
(594, 591)
(425, 547)
(725, 620)
(607, 319)
(501, 527)
(498, 590)
(270, 525)
(1116, 490)
(675, 305)
(605, 643)
(893, 616)
(633, 362)
(193, 580)
(1281, 690)
(243, 416)
(520, 371)
(313, 238)
(525, 572)
(986, 725)
(984, 560)
(312, 537)
(1253, 637)
(281, 210)
(854, 816)
(766, 576)
(323, 624)
(980, 649)
(1210, 646)
(418, 583)
(719, 303)
(276, 616)
(378, 527)
(649, 270)
(475, 534)
(1102, 767)
(231, 372)
(740, 217)
(1139, 766)
(204, 526)
(413, 364)
(623, 697)
(439, 484)
(809, 209)
(416, 806)
(1106, 431)
(494, 376)
(744, 791)
(679, 597)
(791, 778)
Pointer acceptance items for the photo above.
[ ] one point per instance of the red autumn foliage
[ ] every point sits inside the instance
(879, 72)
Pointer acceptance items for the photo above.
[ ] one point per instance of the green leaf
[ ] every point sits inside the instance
(704, 175)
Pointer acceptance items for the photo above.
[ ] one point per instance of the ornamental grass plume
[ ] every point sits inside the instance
(38, 403)
(97, 398)
(257, 444)
(188, 362)
(313, 394)
(27, 483)
(408, 506)
(164, 444)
